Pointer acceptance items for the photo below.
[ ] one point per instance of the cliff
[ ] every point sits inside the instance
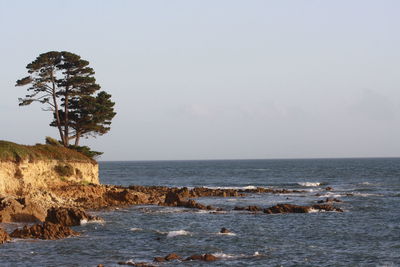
(26, 168)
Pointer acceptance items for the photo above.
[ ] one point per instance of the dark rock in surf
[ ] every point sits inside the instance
(224, 231)
(290, 208)
(47, 230)
(68, 216)
(169, 257)
(326, 207)
(329, 200)
(4, 236)
(209, 257)
(287, 208)
(199, 257)
(172, 256)
(248, 208)
(137, 264)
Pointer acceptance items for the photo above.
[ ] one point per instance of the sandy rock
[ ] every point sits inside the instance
(46, 230)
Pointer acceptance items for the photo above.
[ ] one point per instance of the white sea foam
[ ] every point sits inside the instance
(329, 195)
(251, 187)
(224, 256)
(309, 184)
(367, 195)
(230, 234)
(84, 221)
(177, 233)
(313, 210)
(136, 229)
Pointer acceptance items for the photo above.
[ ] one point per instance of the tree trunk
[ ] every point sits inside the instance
(78, 135)
(56, 109)
(66, 132)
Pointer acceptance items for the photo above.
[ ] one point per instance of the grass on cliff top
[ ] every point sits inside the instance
(10, 151)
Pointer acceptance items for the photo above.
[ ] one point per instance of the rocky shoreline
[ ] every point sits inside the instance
(51, 212)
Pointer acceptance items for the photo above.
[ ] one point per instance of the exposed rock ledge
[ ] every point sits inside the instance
(16, 178)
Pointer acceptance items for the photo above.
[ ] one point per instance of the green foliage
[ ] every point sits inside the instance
(66, 85)
(52, 141)
(64, 170)
(89, 115)
(14, 152)
(86, 151)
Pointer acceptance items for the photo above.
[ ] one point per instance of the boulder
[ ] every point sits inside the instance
(224, 231)
(20, 210)
(172, 199)
(199, 257)
(290, 208)
(47, 230)
(287, 208)
(4, 236)
(172, 256)
(326, 207)
(68, 216)
(209, 257)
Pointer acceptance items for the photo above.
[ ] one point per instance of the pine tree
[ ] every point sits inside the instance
(66, 84)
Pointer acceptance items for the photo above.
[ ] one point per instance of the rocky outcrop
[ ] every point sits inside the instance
(270, 190)
(137, 264)
(68, 216)
(204, 257)
(4, 236)
(169, 257)
(46, 230)
(249, 208)
(195, 257)
(290, 208)
(20, 210)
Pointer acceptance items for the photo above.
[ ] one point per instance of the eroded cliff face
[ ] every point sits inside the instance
(16, 178)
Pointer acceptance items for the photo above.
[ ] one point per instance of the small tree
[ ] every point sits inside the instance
(89, 116)
(65, 84)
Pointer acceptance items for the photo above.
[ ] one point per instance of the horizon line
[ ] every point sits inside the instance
(249, 159)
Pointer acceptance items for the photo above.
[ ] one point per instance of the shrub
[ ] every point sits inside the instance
(86, 151)
(52, 141)
(64, 170)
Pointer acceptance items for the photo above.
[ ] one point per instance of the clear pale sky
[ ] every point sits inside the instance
(218, 79)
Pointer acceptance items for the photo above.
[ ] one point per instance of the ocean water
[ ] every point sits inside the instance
(366, 234)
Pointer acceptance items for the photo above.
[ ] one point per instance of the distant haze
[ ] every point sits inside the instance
(218, 79)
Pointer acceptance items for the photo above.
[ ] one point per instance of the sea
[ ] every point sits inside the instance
(367, 233)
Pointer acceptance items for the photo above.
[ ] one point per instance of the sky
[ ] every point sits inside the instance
(219, 79)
